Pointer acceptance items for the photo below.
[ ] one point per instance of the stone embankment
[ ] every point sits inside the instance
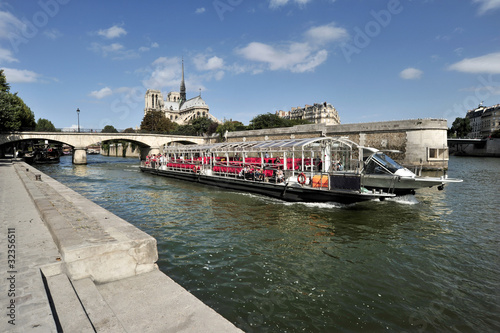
(72, 266)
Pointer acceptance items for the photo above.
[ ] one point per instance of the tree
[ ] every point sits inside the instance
(109, 129)
(44, 125)
(203, 125)
(186, 130)
(268, 120)
(461, 127)
(129, 130)
(228, 126)
(15, 115)
(4, 86)
(156, 122)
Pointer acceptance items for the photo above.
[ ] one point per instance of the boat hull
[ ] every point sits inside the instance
(403, 185)
(293, 193)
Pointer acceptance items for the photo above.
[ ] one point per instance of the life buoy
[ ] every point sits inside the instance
(301, 178)
(195, 170)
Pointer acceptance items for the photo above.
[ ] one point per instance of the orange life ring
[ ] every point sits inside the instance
(301, 178)
(195, 170)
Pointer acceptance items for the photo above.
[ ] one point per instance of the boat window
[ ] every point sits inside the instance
(373, 168)
(387, 162)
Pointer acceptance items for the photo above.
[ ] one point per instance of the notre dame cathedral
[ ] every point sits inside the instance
(176, 107)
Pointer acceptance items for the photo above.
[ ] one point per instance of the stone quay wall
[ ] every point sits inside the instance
(420, 142)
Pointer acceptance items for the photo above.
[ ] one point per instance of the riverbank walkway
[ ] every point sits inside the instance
(69, 265)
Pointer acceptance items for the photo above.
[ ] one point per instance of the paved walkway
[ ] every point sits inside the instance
(79, 268)
(34, 247)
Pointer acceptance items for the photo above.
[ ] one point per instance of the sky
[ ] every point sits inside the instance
(373, 60)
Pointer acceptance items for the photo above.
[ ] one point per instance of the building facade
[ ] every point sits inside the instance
(176, 107)
(484, 120)
(317, 113)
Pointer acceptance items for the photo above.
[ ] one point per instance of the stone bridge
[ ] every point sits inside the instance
(148, 143)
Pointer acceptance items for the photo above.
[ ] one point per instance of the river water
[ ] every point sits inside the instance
(428, 262)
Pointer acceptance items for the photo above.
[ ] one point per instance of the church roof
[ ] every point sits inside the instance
(190, 103)
(194, 102)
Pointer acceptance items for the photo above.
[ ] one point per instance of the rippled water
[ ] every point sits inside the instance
(424, 263)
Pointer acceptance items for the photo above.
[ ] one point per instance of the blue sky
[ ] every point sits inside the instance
(373, 60)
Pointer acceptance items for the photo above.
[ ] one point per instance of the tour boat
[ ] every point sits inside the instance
(302, 170)
(310, 169)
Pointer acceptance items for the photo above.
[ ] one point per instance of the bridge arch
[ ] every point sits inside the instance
(149, 143)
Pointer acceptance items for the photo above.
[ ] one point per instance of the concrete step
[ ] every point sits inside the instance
(100, 314)
(69, 310)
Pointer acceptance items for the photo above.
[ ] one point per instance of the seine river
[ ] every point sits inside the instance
(428, 262)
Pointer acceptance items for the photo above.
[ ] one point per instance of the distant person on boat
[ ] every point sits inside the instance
(340, 167)
(259, 175)
(280, 177)
(241, 174)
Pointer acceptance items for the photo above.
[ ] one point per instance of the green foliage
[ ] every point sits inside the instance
(203, 125)
(44, 125)
(14, 114)
(156, 122)
(4, 86)
(270, 120)
(461, 127)
(267, 120)
(228, 126)
(186, 130)
(129, 130)
(109, 129)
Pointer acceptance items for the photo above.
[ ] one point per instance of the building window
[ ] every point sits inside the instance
(437, 154)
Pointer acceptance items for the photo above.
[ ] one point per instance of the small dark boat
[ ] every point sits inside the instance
(42, 155)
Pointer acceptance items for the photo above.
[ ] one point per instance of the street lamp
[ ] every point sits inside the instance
(78, 113)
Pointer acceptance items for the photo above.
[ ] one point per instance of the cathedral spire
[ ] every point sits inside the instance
(183, 86)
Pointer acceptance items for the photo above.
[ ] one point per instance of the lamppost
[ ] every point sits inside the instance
(78, 113)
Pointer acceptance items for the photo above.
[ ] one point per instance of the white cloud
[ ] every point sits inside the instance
(113, 32)
(200, 10)
(6, 56)
(20, 75)
(489, 63)
(411, 74)
(52, 33)
(99, 94)
(203, 64)
(279, 3)
(9, 24)
(296, 57)
(487, 5)
(116, 50)
(326, 33)
(166, 73)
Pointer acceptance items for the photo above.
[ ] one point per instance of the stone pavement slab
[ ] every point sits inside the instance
(33, 248)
